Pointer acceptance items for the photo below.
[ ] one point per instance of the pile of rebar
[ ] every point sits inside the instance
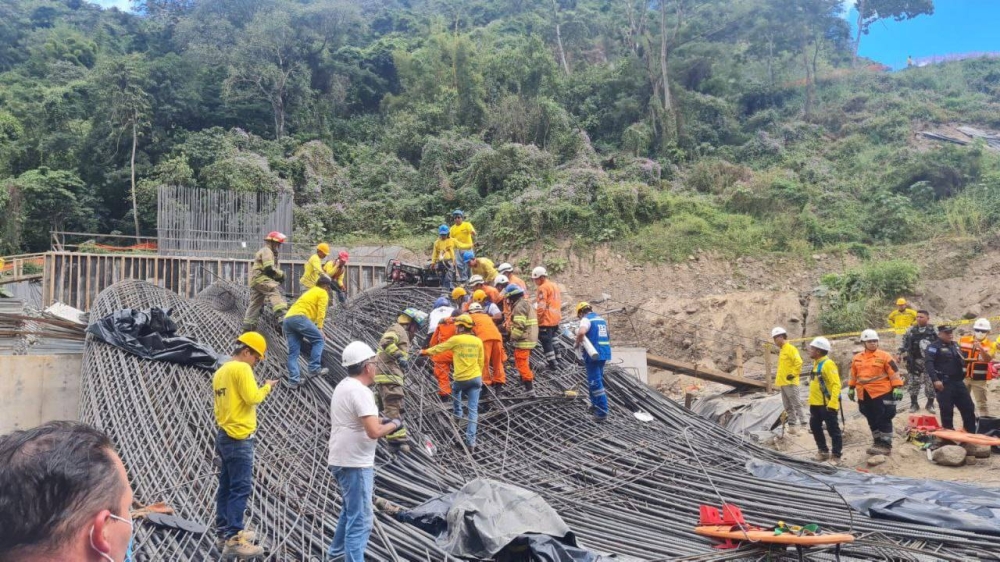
(624, 486)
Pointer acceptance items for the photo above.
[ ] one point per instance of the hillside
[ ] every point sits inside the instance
(659, 128)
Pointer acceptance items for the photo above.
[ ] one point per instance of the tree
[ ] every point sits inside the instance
(871, 11)
(122, 83)
(42, 200)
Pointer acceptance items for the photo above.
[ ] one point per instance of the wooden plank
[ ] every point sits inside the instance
(87, 296)
(701, 372)
(767, 367)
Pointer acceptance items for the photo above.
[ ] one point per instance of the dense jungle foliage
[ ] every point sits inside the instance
(733, 126)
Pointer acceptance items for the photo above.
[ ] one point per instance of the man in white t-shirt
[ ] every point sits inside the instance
(356, 429)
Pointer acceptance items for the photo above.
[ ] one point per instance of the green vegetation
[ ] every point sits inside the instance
(862, 297)
(660, 127)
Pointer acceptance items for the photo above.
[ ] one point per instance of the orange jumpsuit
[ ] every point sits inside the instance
(442, 361)
(515, 280)
(486, 330)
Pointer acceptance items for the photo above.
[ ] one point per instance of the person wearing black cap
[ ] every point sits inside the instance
(946, 368)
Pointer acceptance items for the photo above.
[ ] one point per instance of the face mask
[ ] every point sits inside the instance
(128, 552)
(981, 335)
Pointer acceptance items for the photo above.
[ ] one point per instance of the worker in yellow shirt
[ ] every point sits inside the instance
(484, 268)
(902, 318)
(443, 258)
(336, 270)
(314, 267)
(469, 361)
(464, 235)
(824, 401)
(303, 328)
(787, 379)
(236, 398)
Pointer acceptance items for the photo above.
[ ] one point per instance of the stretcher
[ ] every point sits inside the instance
(964, 437)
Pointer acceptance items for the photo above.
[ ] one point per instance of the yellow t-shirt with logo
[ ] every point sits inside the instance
(462, 234)
(236, 399)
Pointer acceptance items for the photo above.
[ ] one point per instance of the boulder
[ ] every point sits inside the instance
(970, 460)
(876, 460)
(949, 455)
(978, 451)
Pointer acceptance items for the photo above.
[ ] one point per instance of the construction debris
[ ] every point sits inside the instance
(622, 486)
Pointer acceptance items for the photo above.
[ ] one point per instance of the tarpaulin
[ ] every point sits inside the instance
(490, 519)
(151, 334)
(755, 416)
(928, 502)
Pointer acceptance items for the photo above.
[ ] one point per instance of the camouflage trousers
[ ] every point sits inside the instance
(916, 378)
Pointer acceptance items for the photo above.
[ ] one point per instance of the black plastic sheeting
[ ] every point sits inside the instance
(492, 520)
(950, 505)
(151, 334)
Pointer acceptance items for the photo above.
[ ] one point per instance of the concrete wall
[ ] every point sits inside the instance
(633, 360)
(35, 389)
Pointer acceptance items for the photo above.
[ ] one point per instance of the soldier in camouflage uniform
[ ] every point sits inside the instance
(915, 341)
(265, 283)
(391, 364)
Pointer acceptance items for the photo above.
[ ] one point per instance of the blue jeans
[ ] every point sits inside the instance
(471, 389)
(235, 483)
(341, 295)
(444, 271)
(302, 334)
(595, 381)
(356, 517)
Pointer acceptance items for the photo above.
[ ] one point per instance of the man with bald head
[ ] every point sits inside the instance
(64, 495)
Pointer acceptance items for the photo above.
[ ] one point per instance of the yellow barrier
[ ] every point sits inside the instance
(888, 330)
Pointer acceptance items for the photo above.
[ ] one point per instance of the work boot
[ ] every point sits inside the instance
(497, 388)
(387, 506)
(528, 385)
(403, 449)
(930, 406)
(914, 407)
(320, 373)
(293, 385)
(444, 398)
(239, 547)
(835, 460)
(790, 429)
(878, 449)
(822, 456)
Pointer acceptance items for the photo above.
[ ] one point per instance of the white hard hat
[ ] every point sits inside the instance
(869, 335)
(982, 324)
(475, 307)
(821, 343)
(539, 272)
(475, 280)
(505, 268)
(500, 279)
(778, 331)
(356, 352)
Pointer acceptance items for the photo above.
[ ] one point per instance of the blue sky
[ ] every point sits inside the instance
(957, 26)
(120, 4)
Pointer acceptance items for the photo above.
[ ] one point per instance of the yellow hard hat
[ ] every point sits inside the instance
(900, 301)
(458, 292)
(581, 306)
(323, 247)
(254, 341)
(464, 320)
(479, 295)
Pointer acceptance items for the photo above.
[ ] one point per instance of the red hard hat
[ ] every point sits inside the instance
(343, 256)
(276, 236)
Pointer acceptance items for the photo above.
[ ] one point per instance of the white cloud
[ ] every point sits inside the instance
(122, 5)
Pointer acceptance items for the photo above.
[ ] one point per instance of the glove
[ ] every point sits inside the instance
(897, 393)
(850, 394)
(398, 422)
(279, 275)
(790, 377)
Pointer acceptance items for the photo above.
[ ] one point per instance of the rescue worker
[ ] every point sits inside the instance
(491, 309)
(391, 365)
(483, 268)
(500, 282)
(876, 383)
(443, 258)
(469, 359)
(595, 330)
(265, 282)
(442, 360)
(462, 231)
(523, 330)
(978, 350)
(442, 309)
(303, 327)
(486, 330)
(945, 366)
(337, 271)
(824, 401)
(787, 379)
(508, 270)
(902, 318)
(314, 267)
(915, 341)
(236, 396)
(460, 298)
(476, 283)
(549, 310)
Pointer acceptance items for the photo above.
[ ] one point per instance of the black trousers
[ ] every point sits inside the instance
(955, 395)
(818, 415)
(879, 411)
(545, 335)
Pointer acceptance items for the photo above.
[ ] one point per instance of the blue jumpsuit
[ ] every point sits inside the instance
(599, 338)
